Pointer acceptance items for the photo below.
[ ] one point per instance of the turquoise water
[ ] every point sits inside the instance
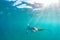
(13, 23)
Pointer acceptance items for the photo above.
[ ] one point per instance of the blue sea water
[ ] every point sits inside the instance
(14, 21)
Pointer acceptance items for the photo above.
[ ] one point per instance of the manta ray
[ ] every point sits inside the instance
(34, 29)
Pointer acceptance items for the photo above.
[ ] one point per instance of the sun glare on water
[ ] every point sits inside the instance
(46, 2)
